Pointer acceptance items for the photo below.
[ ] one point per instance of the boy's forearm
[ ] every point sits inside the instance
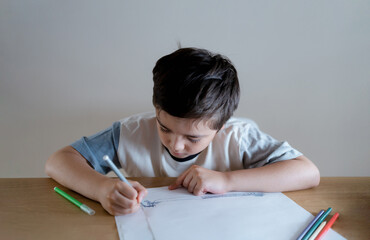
(70, 169)
(289, 175)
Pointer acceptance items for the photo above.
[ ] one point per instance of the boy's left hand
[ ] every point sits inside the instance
(199, 180)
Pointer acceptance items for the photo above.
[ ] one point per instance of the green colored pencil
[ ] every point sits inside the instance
(317, 223)
(82, 206)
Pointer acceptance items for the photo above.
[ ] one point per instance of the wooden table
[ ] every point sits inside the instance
(30, 209)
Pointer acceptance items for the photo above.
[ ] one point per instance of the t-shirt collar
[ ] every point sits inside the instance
(182, 159)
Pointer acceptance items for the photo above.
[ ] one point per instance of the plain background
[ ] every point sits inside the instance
(71, 68)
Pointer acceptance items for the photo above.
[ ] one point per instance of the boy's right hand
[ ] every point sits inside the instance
(118, 198)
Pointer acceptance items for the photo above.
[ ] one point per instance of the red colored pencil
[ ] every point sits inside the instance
(327, 226)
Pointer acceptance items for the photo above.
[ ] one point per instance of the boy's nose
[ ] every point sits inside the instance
(177, 144)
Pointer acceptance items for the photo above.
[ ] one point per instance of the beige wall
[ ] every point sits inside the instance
(71, 68)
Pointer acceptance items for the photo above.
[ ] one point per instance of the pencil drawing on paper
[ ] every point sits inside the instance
(231, 194)
(150, 204)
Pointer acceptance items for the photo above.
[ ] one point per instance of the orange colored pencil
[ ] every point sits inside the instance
(327, 226)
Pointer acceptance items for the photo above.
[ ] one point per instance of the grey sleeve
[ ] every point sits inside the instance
(93, 148)
(259, 149)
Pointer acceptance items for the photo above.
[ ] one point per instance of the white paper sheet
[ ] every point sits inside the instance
(180, 215)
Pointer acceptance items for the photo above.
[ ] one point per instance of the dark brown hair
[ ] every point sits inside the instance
(197, 84)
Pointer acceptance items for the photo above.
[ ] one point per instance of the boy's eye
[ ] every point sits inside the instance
(165, 130)
(194, 140)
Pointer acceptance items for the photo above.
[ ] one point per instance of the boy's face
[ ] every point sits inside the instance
(182, 136)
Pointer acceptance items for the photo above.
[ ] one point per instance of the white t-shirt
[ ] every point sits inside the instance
(134, 145)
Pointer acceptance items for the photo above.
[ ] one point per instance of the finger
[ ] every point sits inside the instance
(173, 186)
(117, 199)
(141, 190)
(126, 190)
(119, 210)
(138, 187)
(199, 190)
(179, 180)
(187, 180)
(192, 184)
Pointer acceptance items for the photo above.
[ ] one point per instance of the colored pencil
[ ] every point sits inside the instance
(317, 231)
(327, 226)
(310, 225)
(317, 223)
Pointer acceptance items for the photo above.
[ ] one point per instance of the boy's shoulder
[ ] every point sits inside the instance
(239, 122)
(146, 119)
(239, 128)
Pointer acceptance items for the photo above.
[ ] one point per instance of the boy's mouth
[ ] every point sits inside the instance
(178, 154)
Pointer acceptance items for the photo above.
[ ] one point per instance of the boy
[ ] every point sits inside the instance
(190, 136)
